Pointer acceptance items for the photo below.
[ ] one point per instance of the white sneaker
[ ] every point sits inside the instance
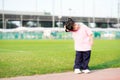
(86, 71)
(77, 71)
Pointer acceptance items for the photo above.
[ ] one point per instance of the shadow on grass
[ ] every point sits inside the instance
(109, 64)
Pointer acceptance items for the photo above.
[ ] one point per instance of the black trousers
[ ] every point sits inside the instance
(82, 59)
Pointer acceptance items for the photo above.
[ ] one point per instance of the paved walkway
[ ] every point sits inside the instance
(104, 74)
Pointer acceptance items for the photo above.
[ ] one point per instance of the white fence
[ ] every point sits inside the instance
(54, 33)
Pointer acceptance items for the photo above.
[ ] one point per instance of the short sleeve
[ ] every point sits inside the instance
(88, 31)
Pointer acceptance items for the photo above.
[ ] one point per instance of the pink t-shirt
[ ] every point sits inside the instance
(81, 38)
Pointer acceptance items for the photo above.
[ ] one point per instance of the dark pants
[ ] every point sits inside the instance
(82, 59)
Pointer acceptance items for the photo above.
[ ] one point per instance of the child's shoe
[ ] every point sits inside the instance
(86, 71)
(77, 71)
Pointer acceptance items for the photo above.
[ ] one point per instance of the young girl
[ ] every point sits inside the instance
(83, 42)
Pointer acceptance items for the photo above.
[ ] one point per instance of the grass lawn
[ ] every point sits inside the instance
(29, 57)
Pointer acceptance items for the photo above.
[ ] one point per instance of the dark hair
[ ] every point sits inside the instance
(69, 24)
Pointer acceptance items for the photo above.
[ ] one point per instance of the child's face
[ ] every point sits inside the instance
(75, 27)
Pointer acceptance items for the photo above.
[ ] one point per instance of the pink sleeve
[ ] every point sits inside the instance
(88, 31)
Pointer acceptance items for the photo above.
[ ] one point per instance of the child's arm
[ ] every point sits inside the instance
(91, 39)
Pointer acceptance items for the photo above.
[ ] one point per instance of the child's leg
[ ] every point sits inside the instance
(78, 60)
(86, 59)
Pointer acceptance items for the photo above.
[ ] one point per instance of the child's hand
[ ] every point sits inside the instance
(66, 30)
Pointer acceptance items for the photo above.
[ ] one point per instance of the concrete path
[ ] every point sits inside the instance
(104, 74)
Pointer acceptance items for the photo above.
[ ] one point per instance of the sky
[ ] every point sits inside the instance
(85, 8)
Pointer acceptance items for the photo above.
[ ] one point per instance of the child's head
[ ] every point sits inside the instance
(69, 24)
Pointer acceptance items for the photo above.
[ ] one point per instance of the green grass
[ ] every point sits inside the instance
(29, 57)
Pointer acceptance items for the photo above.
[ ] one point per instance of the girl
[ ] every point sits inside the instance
(83, 42)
